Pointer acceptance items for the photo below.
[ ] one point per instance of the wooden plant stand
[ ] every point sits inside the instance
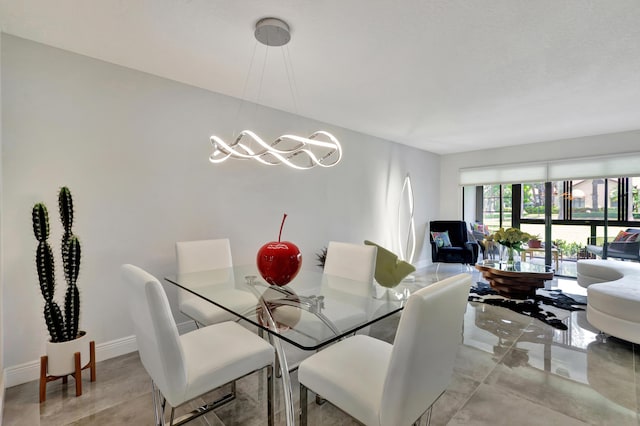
(77, 375)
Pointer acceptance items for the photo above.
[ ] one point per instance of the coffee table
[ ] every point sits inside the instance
(518, 280)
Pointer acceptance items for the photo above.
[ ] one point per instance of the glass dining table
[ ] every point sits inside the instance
(309, 313)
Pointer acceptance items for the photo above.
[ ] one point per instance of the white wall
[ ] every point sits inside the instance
(450, 192)
(133, 148)
(469, 210)
(1, 262)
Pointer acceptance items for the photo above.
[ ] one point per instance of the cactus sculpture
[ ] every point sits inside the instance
(61, 328)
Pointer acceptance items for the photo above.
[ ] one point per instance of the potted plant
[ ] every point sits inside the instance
(534, 242)
(66, 339)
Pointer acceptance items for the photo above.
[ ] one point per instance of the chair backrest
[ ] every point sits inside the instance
(351, 261)
(458, 233)
(479, 231)
(633, 230)
(201, 255)
(156, 333)
(424, 350)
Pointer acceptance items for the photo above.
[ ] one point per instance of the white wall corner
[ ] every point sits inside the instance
(424, 263)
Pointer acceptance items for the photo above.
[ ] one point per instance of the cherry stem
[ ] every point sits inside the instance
(281, 225)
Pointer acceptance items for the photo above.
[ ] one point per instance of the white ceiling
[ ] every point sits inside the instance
(443, 75)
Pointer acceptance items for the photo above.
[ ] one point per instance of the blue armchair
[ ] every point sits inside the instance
(460, 249)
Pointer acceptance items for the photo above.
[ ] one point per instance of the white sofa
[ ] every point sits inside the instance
(613, 296)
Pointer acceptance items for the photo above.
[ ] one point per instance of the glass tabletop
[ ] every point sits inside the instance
(311, 311)
(530, 268)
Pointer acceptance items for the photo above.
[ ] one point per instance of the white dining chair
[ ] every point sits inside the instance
(393, 385)
(202, 255)
(346, 262)
(184, 367)
(348, 271)
(352, 261)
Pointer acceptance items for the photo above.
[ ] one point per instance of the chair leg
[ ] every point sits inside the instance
(429, 415)
(270, 385)
(277, 367)
(601, 337)
(173, 412)
(303, 405)
(160, 402)
(156, 405)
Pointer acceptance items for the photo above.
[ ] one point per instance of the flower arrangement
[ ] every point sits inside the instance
(510, 237)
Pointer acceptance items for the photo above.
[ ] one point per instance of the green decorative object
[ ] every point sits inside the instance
(62, 328)
(390, 270)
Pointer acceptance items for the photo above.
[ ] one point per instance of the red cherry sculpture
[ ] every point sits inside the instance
(279, 261)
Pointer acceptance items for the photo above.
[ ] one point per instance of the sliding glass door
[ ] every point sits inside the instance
(580, 211)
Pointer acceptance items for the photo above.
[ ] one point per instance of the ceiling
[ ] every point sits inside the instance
(445, 76)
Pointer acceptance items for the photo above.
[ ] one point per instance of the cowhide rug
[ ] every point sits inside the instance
(549, 306)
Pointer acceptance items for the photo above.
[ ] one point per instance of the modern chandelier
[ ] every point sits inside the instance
(320, 148)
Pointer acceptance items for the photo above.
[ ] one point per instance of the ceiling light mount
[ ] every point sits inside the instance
(272, 32)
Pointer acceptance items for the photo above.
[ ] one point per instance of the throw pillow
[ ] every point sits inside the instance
(624, 236)
(633, 236)
(441, 239)
(480, 228)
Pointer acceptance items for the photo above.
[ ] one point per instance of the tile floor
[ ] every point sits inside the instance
(510, 370)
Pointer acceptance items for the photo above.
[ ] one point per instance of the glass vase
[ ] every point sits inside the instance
(507, 255)
(510, 251)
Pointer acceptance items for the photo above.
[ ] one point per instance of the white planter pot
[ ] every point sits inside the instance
(60, 356)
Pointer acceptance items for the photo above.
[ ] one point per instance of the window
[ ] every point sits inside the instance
(533, 200)
(627, 196)
(590, 197)
(497, 206)
(578, 209)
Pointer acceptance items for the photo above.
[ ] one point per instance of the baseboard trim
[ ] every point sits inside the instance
(29, 371)
(2, 382)
(422, 264)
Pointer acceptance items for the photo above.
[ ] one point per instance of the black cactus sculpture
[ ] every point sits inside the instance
(61, 329)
